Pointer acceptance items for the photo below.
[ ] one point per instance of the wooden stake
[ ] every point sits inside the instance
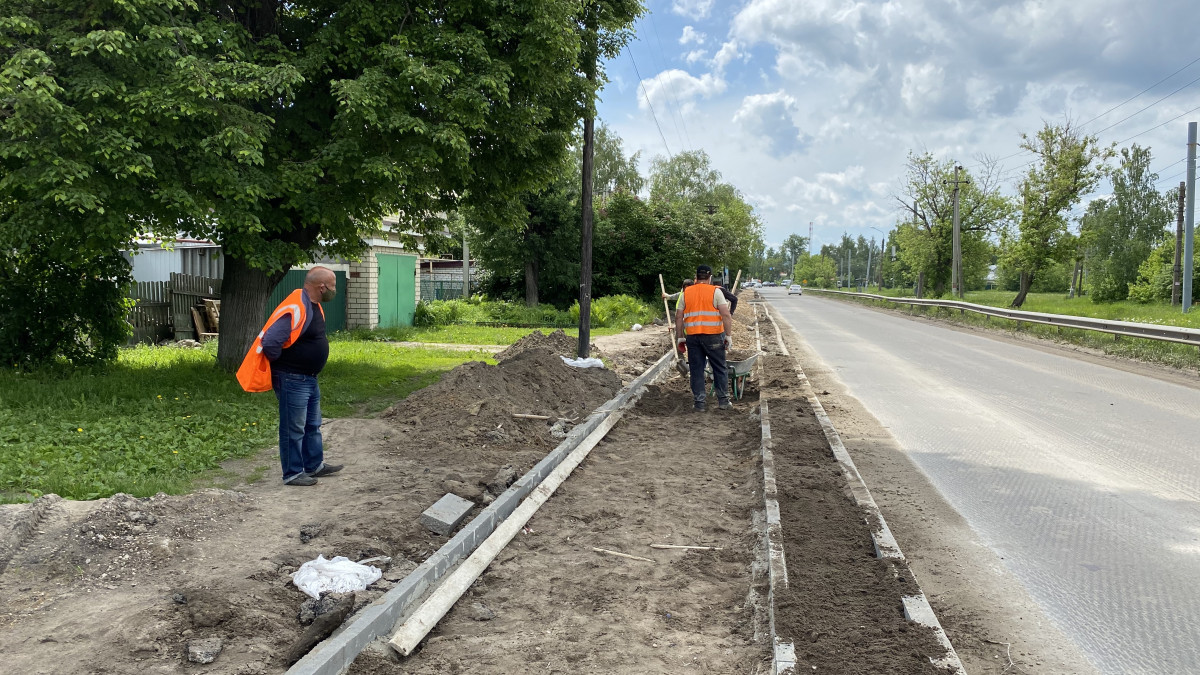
(665, 306)
(523, 416)
(689, 548)
(736, 279)
(621, 555)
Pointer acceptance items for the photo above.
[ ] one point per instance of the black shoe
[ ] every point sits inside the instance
(303, 480)
(724, 405)
(327, 470)
(699, 407)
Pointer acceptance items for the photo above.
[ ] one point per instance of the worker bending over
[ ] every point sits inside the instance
(704, 325)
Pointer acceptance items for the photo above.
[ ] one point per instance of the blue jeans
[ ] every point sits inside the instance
(300, 449)
(710, 348)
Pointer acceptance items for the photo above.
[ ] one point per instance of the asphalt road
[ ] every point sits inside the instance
(1084, 479)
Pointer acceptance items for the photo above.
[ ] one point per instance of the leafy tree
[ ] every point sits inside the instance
(1155, 275)
(815, 270)
(795, 245)
(615, 172)
(688, 176)
(539, 261)
(282, 130)
(726, 226)
(926, 239)
(1067, 166)
(1122, 231)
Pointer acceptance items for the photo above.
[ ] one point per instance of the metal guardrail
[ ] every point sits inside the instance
(1187, 336)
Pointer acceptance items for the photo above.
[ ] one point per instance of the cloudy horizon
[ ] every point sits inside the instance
(811, 108)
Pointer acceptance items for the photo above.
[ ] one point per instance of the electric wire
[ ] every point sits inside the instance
(1141, 92)
(1149, 106)
(648, 103)
(671, 88)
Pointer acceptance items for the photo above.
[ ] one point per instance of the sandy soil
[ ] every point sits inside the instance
(126, 585)
(552, 604)
(995, 627)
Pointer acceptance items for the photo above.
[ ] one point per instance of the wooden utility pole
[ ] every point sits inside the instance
(1189, 220)
(1177, 270)
(956, 280)
(591, 49)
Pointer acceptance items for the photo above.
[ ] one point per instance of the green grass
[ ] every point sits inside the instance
(1058, 303)
(1141, 349)
(464, 334)
(161, 417)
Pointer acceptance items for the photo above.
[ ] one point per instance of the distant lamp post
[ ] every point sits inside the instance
(711, 208)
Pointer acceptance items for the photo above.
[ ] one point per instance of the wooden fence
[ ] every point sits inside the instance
(163, 309)
(151, 315)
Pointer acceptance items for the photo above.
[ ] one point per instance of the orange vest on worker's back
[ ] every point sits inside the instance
(700, 315)
(255, 372)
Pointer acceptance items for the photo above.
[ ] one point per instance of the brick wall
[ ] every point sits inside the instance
(362, 292)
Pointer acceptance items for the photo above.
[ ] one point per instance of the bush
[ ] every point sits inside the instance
(52, 309)
(617, 310)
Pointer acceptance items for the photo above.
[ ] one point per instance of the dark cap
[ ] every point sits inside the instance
(704, 271)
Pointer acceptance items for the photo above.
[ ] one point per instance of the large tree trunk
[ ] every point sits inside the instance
(531, 283)
(1026, 282)
(920, 284)
(244, 293)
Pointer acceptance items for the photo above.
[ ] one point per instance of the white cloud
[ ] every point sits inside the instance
(693, 9)
(727, 52)
(672, 87)
(770, 117)
(811, 87)
(829, 189)
(691, 35)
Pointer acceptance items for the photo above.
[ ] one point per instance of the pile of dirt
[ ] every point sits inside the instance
(475, 402)
(557, 342)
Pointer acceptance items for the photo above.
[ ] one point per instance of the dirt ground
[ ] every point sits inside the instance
(125, 585)
(995, 627)
(550, 603)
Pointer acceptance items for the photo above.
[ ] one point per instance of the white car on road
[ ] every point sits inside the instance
(796, 288)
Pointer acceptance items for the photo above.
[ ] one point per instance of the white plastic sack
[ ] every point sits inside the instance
(635, 327)
(582, 363)
(340, 575)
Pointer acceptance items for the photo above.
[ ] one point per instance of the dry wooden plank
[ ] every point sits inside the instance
(198, 318)
(212, 308)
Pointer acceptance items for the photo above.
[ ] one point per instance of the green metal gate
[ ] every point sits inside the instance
(335, 312)
(397, 289)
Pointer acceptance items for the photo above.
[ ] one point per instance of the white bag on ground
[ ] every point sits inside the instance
(340, 575)
(583, 363)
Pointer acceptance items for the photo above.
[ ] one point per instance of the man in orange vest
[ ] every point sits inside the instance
(288, 354)
(703, 326)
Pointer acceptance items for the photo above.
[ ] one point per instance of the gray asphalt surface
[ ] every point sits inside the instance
(1085, 479)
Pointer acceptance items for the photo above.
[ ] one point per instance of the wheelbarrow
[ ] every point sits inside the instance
(737, 373)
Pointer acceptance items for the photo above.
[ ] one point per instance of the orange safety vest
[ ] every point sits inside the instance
(255, 373)
(700, 315)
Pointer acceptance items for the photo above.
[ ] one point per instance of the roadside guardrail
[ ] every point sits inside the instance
(1187, 336)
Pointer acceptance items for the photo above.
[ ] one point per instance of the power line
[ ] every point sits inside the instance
(1159, 125)
(1150, 106)
(678, 110)
(648, 103)
(1140, 93)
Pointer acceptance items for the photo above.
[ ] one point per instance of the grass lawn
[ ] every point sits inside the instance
(161, 417)
(1058, 303)
(465, 335)
(1153, 351)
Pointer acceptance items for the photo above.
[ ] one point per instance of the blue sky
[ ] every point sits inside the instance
(810, 107)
